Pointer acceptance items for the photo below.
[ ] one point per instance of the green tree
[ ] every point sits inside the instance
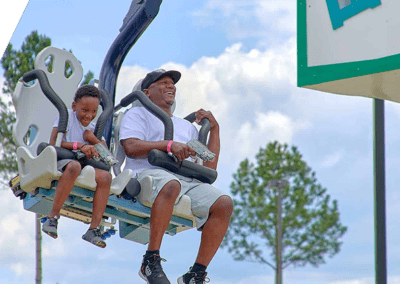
(88, 77)
(8, 162)
(15, 64)
(311, 228)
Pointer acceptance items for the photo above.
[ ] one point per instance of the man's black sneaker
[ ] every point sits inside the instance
(151, 270)
(194, 278)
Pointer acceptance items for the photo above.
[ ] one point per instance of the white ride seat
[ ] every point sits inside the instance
(36, 114)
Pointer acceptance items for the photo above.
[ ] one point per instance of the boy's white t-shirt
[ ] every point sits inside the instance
(74, 129)
(139, 123)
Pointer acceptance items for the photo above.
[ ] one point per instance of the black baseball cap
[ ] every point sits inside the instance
(156, 75)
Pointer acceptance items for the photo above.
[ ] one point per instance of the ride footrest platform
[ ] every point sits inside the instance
(16, 187)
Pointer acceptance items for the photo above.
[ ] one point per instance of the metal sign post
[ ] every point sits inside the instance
(379, 192)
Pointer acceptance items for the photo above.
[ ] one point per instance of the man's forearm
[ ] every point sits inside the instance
(214, 146)
(136, 148)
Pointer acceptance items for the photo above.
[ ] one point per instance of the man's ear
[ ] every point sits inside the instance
(146, 91)
(73, 106)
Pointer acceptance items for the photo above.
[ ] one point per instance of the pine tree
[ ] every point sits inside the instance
(310, 226)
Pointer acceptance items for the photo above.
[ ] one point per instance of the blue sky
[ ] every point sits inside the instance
(238, 59)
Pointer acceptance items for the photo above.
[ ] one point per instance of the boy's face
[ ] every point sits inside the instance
(86, 109)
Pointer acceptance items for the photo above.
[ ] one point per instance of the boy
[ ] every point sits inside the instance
(79, 132)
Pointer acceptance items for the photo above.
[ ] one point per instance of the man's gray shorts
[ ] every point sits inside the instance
(202, 195)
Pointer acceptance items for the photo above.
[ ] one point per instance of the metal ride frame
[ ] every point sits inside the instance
(133, 217)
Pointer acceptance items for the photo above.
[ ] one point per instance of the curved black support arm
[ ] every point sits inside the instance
(48, 91)
(154, 109)
(108, 111)
(185, 168)
(140, 15)
(205, 127)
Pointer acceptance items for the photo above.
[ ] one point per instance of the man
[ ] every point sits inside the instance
(142, 132)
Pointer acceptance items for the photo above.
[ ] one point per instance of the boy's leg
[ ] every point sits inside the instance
(93, 234)
(64, 186)
(103, 180)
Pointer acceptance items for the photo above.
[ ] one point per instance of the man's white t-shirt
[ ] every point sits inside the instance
(74, 129)
(139, 123)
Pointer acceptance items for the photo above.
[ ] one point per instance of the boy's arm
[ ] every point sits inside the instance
(64, 144)
(53, 136)
(89, 137)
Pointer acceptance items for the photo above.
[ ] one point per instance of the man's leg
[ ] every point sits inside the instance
(214, 229)
(160, 216)
(161, 213)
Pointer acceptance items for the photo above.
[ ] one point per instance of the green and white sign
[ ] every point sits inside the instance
(341, 10)
(349, 47)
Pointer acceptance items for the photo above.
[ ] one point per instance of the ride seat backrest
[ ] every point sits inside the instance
(33, 109)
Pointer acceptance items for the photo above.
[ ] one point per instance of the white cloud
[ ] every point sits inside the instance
(266, 127)
(265, 20)
(17, 268)
(53, 248)
(280, 16)
(17, 238)
(128, 77)
(332, 159)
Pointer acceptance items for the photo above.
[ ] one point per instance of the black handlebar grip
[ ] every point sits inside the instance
(205, 127)
(48, 91)
(204, 130)
(191, 117)
(185, 168)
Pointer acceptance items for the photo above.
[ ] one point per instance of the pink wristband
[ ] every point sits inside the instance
(75, 146)
(169, 146)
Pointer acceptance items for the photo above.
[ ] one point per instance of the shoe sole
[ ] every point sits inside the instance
(51, 234)
(99, 244)
(143, 277)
